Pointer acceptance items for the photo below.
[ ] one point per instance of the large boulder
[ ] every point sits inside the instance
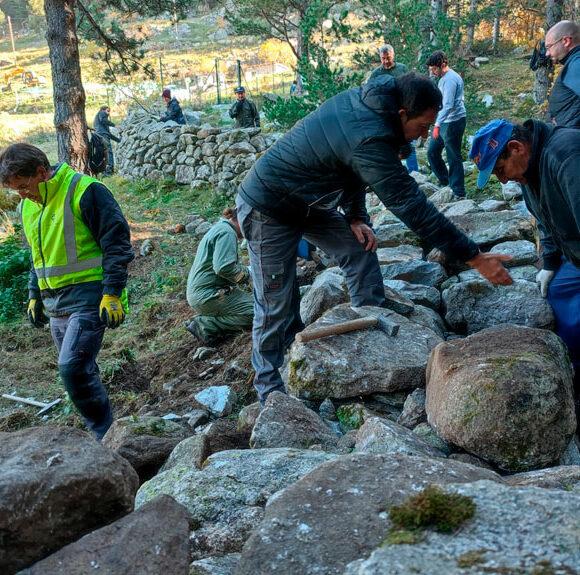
(504, 395)
(226, 498)
(56, 485)
(490, 228)
(475, 305)
(286, 422)
(360, 362)
(515, 530)
(153, 540)
(523, 252)
(338, 512)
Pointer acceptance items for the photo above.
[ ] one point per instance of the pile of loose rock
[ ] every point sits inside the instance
(473, 394)
(193, 155)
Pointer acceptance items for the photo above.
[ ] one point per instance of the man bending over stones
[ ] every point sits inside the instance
(327, 160)
(545, 160)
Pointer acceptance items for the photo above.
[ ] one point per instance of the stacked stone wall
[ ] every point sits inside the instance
(193, 155)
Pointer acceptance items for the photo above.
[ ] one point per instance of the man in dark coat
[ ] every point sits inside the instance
(563, 46)
(328, 160)
(244, 111)
(174, 111)
(545, 160)
(102, 126)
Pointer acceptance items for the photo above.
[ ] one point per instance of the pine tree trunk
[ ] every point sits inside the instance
(496, 25)
(436, 9)
(471, 26)
(68, 92)
(544, 76)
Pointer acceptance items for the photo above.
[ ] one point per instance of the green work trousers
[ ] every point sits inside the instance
(227, 314)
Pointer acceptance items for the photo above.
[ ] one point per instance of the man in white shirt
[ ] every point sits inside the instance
(449, 126)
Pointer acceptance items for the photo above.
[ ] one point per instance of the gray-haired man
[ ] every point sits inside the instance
(388, 64)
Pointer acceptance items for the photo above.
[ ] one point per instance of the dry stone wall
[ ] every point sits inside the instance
(193, 155)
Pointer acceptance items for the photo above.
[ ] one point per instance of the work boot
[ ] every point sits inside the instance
(192, 327)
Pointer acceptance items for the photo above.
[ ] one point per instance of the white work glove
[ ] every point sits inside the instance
(543, 279)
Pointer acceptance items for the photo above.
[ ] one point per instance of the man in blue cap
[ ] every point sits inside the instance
(545, 160)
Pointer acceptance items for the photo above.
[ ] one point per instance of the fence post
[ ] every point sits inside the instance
(239, 72)
(217, 80)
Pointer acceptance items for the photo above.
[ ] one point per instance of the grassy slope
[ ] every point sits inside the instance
(152, 347)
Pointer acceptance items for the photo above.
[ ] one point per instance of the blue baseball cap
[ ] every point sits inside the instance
(487, 145)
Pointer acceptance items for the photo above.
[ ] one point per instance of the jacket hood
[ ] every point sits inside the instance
(380, 95)
(542, 133)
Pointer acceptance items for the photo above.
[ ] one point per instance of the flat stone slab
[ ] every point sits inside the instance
(525, 530)
(339, 511)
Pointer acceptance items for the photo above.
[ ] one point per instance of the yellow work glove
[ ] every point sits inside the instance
(111, 311)
(36, 313)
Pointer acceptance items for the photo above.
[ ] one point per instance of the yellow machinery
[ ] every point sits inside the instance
(27, 77)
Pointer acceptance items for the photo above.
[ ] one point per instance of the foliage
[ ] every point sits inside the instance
(278, 19)
(405, 24)
(320, 78)
(434, 508)
(14, 267)
(16, 9)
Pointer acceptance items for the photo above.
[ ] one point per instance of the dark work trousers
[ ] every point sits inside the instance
(111, 165)
(273, 247)
(78, 338)
(450, 138)
(564, 297)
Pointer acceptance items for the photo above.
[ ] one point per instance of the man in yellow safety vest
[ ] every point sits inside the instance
(80, 249)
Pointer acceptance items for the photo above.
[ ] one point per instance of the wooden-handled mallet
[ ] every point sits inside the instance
(383, 324)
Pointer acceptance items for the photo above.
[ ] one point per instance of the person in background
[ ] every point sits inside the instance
(388, 64)
(80, 248)
(327, 160)
(449, 126)
(221, 307)
(395, 69)
(244, 111)
(545, 160)
(563, 47)
(174, 111)
(102, 126)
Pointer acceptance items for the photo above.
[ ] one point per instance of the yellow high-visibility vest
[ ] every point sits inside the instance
(64, 251)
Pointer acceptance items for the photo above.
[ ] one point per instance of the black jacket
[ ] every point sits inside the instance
(564, 103)
(552, 191)
(174, 112)
(352, 141)
(103, 125)
(245, 113)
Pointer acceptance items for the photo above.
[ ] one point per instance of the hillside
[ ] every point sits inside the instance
(153, 348)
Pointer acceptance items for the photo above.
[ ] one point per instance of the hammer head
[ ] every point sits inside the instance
(389, 327)
(49, 406)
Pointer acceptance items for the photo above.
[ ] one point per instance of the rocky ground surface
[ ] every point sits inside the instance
(472, 394)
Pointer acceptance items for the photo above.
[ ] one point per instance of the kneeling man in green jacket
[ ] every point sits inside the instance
(221, 307)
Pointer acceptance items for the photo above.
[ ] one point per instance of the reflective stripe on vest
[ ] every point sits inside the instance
(64, 251)
(70, 242)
